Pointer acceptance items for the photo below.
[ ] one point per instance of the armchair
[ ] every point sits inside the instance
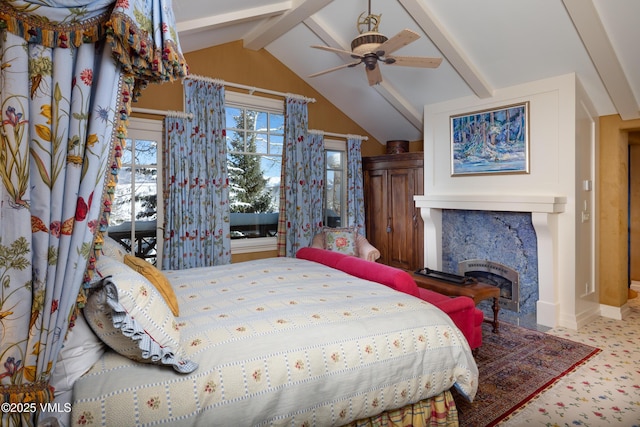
(363, 248)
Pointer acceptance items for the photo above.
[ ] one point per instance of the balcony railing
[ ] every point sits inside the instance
(144, 242)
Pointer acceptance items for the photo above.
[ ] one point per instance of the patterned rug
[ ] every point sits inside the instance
(515, 366)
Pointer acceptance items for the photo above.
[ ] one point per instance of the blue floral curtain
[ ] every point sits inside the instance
(316, 181)
(197, 225)
(68, 72)
(355, 191)
(302, 181)
(175, 162)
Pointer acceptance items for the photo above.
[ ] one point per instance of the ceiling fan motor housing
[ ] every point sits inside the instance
(367, 43)
(370, 60)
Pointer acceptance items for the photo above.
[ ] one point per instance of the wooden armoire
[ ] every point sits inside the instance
(393, 222)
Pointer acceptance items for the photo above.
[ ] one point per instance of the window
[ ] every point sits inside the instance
(255, 136)
(255, 139)
(136, 205)
(335, 200)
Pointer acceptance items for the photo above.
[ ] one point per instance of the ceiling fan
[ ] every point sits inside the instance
(371, 47)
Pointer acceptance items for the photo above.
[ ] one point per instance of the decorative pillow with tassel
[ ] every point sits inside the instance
(129, 315)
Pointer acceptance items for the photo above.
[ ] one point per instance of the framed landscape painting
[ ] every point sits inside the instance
(492, 141)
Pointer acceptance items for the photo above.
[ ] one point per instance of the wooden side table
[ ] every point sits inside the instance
(477, 292)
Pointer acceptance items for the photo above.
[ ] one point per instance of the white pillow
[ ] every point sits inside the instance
(113, 249)
(80, 351)
(129, 315)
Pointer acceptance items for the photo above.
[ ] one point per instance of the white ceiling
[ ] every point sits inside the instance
(486, 45)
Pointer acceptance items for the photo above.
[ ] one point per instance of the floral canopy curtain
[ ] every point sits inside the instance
(301, 183)
(198, 227)
(355, 184)
(68, 72)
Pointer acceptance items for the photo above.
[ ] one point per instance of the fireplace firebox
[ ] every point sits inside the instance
(496, 274)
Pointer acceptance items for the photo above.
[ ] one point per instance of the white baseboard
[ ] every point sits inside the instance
(546, 314)
(617, 313)
(587, 317)
(635, 286)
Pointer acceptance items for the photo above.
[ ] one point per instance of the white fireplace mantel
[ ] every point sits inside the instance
(493, 202)
(544, 210)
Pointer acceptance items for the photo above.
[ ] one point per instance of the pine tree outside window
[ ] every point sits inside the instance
(255, 136)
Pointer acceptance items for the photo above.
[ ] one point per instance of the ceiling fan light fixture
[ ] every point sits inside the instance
(367, 42)
(370, 46)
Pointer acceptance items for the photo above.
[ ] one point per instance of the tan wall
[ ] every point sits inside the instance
(253, 256)
(634, 212)
(613, 169)
(235, 64)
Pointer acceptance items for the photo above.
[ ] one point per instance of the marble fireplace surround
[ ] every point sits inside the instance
(544, 217)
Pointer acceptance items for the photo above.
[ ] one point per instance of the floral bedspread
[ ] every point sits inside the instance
(283, 341)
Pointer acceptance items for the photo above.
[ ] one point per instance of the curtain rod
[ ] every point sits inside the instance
(167, 113)
(251, 89)
(338, 135)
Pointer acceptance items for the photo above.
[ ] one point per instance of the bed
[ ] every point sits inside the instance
(282, 341)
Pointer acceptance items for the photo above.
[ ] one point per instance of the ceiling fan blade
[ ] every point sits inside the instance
(374, 76)
(339, 67)
(414, 61)
(403, 38)
(341, 51)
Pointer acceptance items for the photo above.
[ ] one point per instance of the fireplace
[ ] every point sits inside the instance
(496, 274)
(543, 211)
(504, 247)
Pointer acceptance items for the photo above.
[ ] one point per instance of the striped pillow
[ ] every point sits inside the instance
(129, 315)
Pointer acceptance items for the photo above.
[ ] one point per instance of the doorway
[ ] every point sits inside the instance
(613, 211)
(634, 208)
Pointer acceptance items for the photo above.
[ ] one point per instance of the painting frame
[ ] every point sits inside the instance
(490, 141)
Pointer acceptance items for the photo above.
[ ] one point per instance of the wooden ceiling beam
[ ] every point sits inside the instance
(400, 103)
(237, 17)
(447, 45)
(587, 22)
(276, 26)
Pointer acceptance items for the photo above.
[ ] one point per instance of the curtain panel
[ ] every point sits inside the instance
(301, 183)
(175, 190)
(198, 226)
(316, 181)
(355, 186)
(68, 74)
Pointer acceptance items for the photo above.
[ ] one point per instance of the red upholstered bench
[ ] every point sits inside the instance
(461, 310)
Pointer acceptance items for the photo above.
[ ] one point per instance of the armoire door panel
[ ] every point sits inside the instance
(376, 211)
(401, 211)
(394, 224)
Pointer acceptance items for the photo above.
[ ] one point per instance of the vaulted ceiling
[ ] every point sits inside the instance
(486, 45)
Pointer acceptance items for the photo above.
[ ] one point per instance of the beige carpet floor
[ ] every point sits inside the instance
(603, 392)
